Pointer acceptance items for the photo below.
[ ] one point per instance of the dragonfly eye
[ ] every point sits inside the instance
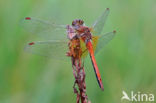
(77, 22)
(74, 23)
(81, 22)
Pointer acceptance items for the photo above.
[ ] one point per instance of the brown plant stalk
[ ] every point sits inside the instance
(79, 74)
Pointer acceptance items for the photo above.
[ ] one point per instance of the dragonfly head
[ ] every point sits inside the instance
(77, 23)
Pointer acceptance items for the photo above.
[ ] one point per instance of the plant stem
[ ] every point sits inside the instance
(79, 74)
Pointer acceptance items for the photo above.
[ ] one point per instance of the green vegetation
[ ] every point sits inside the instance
(127, 63)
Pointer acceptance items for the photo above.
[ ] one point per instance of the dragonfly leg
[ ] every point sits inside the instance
(68, 54)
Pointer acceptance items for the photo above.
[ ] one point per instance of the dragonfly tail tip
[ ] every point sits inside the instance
(102, 89)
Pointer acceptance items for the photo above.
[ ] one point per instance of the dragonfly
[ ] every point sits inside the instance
(76, 40)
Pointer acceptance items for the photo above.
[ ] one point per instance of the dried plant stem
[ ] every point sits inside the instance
(79, 74)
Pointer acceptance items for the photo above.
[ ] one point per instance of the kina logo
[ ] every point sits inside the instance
(137, 97)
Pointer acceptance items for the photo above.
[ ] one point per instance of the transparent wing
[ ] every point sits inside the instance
(54, 49)
(99, 23)
(103, 40)
(44, 29)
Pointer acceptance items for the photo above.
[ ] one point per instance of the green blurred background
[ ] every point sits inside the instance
(127, 63)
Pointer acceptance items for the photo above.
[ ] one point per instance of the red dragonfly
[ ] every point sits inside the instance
(55, 39)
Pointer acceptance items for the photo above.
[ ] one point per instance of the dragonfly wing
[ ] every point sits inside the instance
(103, 40)
(44, 29)
(53, 48)
(99, 23)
